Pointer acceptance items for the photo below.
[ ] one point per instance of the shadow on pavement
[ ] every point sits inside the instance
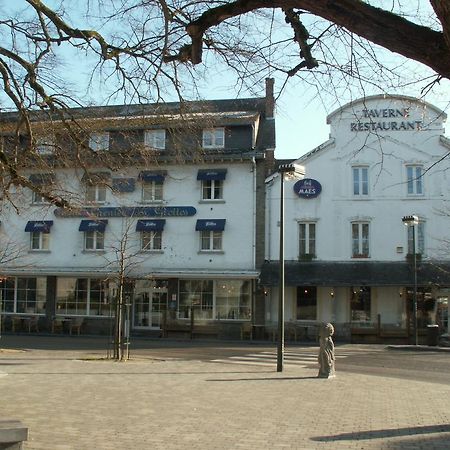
(265, 379)
(379, 434)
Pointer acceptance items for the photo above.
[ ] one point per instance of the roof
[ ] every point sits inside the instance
(351, 273)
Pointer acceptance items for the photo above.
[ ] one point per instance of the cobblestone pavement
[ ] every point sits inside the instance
(73, 399)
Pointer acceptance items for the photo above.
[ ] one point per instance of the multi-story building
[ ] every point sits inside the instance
(168, 197)
(349, 257)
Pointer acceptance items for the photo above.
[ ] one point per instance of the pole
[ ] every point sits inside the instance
(280, 346)
(416, 335)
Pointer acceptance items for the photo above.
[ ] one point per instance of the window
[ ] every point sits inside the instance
(360, 181)
(37, 199)
(45, 145)
(307, 240)
(152, 191)
(214, 138)
(39, 240)
(414, 177)
(360, 240)
(155, 139)
(23, 295)
(306, 303)
(210, 240)
(151, 240)
(95, 193)
(360, 304)
(94, 240)
(215, 299)
(99, 141)
(419, 237)
(212, 189)
(82, 296)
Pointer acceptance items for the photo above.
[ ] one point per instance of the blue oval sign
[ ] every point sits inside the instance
(307, 188)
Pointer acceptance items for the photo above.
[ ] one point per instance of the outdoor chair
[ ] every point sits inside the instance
(247, 330)
(75, 325)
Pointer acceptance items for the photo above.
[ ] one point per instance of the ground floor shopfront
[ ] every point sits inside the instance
(366, 302)
(151, 304)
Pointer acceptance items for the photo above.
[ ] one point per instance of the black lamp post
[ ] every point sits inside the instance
(412, 221)
(290, 171)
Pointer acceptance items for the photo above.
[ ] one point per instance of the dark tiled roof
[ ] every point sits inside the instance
(370, 273)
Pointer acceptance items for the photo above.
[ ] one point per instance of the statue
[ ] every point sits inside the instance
(326, 352)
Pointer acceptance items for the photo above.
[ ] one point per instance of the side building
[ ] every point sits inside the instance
(166, 197)
(349, 259)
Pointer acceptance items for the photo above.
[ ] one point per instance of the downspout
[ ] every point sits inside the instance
(254, 214)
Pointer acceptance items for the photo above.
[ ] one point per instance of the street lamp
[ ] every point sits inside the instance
(412, 221)
(289, 171)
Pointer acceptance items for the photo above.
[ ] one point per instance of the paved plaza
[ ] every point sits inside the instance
(74, 399)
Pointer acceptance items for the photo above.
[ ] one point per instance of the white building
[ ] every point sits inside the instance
(178, 217)
(348, 254)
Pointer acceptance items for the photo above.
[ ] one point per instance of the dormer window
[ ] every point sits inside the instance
(155, 139)
(99, 141)
(214, 138)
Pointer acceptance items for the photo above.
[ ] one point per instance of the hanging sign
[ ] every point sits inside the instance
(307, 188)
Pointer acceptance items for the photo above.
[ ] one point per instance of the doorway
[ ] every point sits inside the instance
(150, 303)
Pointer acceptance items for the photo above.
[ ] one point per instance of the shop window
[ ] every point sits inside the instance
(23, 295)
(360, 304)
(306, 303)
(426, 306)
(233, 299)
(82, 296)
(198, 296)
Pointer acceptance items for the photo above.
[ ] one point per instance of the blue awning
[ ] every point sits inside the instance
(210, 225)
(158, 176)
(212, 174)
(93, 225)
(150, 225)
(42, 226)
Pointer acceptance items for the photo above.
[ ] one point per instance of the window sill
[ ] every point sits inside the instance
(360, 257)
(211, 200)
(96, 252)
(211, 252)
(38, 251)
(151, 251)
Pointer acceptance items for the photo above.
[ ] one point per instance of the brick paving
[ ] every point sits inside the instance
(72, 399)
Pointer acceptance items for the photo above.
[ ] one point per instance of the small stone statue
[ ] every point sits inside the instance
(326, 352)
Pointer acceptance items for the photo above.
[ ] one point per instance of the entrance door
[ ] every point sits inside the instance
(150, 301)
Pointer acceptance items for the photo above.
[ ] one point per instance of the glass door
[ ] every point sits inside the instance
(150, 302)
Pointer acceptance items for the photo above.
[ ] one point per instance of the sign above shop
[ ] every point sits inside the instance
(138, 211)
(386, 119)
(307, 188)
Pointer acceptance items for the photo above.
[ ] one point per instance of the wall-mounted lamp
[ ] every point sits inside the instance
(332, 293)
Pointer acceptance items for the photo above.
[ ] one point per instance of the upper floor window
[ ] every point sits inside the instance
(360, 240)
(214, 138)
(155, 139)
(37, 198)
(212, 189)
(99, 141)
(45, 145)
(307, 240)
(360, 180)
(94, 240)
(152, 191)
(416, 236)
(151, 240)
(39, 240)
(95, 193)
(211, 232)
(414, 179)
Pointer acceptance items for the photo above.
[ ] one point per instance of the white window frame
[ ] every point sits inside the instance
(360, 179)
(155, 139)
(213, 138)
(38, 199)
(359, 242)
(39, 241)
(309, 242)
(152, 192)
(211, 188)
(97, 238)
(95, 193)
(99, 141)
(45, 144)
(211, 241)
(151, 241)
(414, 180)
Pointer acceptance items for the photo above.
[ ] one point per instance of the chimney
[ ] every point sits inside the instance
(270, 100)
